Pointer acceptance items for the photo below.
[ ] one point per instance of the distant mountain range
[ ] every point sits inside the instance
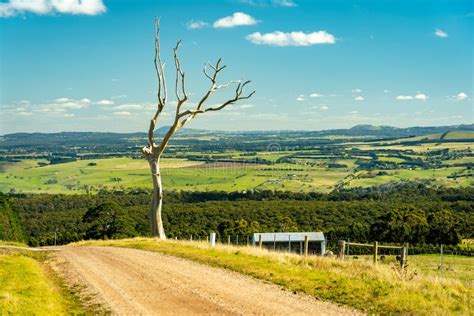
(71, 138)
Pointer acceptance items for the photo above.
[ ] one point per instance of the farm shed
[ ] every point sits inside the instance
(293, 242)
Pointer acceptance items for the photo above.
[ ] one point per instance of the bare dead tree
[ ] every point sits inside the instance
(152, 151)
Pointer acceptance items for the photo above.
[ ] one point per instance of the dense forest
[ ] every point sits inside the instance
(406, 212)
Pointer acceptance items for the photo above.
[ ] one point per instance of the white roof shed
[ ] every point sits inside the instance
(280, 237)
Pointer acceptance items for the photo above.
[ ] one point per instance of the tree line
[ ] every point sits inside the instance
(395, 213)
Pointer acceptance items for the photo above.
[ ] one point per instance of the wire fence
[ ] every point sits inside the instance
(332, 246)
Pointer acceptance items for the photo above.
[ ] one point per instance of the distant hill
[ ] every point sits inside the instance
(139, 139)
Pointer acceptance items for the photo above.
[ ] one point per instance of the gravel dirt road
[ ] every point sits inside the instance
(137, 282)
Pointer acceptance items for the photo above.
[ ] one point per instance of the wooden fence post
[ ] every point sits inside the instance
(228, 240)
(341, 249)
(376, 250)
(305, 246)
(260, 241)
(404, 256)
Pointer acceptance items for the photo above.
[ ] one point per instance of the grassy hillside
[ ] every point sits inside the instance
(379, 290)
(459, 135)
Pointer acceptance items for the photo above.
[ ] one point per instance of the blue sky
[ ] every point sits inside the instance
(68, 65)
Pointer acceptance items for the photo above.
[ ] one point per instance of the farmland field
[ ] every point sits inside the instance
(341, 162)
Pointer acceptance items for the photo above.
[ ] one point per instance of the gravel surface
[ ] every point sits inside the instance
(134, 282)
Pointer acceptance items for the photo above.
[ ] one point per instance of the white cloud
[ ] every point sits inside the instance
(359, 98)
(357, 90)
(247, 106)
(284, 3)
(196, 24)
(122, 113)
(87, 7)
(105, 102)
(68, 115)
(236, 19)
(128, 107)
(324, 108)
(62, 100)
(266, 3)
(404, 97)
(421, 96)
(418, 96)
(67, 103)
(119, 96)
(440, 33)
(461, 96)
(291, 39)
(386, 91)
(25, 113)
(315, 95)
(354, 112)
(301, 97)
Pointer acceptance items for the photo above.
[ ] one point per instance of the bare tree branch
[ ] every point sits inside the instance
(179, 75)
(152, 152)
(162, 93)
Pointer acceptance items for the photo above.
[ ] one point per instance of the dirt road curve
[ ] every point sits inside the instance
(133, 282)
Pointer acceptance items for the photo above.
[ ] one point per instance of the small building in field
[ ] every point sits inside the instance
(292, 242)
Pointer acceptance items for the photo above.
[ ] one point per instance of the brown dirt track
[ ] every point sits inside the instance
(137, 282)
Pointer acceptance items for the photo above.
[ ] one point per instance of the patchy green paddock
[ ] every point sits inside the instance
(439, 175)
(178, 174)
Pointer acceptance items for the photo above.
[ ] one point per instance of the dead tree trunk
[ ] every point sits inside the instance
(153, 152)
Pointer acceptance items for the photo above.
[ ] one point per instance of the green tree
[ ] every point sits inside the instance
(405, 224)
(10, 225)
(108, 220)
(444, 228)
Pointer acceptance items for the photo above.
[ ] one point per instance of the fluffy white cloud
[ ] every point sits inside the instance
(67, 103)
(87, 7)
(291, 39)
(440, 33)
(196, 24)
(105, 102)
(357, 90)
(461, 96)
(315, 95)
(122, 113)
(236, 19)
(128, 107)
(23, 113)
(301, 97)
(324, 108)
(284, 3)
(266, 3)
(404, 97)
(418, 96)
(359, 98)
(421, 96)
(247, 106)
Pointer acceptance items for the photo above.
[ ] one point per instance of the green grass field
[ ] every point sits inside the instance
(178, 174)
(375, 290)
(304, 171)
(27, 287)
(438, 175)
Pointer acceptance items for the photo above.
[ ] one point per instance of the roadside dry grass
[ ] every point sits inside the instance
(379, 290)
